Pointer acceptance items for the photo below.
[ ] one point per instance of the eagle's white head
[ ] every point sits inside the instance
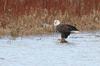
(56, 22)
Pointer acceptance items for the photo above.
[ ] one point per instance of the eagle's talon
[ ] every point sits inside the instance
(63, 41)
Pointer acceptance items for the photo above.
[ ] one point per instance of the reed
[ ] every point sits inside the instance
(41, 22)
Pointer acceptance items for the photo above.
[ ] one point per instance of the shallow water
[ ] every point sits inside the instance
(81, 50)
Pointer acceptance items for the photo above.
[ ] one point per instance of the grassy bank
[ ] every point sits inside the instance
(41, 22)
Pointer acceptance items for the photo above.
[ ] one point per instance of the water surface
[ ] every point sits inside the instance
(81, 50)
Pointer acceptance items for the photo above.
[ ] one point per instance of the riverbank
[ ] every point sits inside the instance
(42, 22)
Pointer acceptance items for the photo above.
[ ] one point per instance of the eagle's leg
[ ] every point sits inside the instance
(63, 40)
(63, 36)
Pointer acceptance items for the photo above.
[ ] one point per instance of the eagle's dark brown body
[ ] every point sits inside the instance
(65, 30)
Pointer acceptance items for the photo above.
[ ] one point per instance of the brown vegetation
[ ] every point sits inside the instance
(27, 17)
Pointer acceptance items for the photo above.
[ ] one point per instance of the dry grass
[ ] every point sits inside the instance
(40, 22)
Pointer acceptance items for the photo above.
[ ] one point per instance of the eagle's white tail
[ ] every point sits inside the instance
(75, 31)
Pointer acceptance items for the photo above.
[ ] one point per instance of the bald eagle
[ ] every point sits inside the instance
(65, 30)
